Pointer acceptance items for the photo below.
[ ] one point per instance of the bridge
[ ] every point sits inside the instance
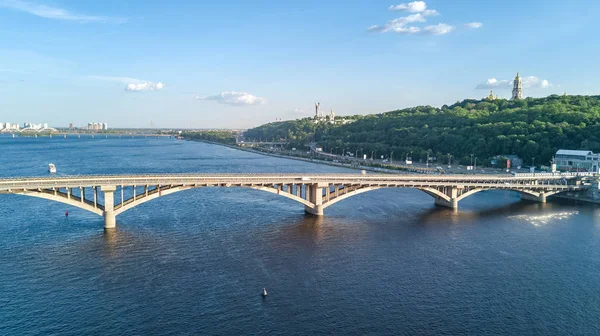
(111, 195)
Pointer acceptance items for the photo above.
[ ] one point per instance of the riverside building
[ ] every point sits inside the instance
(577, 160)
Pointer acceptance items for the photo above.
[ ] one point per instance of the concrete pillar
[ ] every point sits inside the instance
(452, 203)
(541, 198)
(110, 220)
(315, 196)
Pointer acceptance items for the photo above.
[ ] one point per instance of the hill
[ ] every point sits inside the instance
(532, 127)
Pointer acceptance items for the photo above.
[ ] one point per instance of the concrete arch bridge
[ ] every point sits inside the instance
(111, 195)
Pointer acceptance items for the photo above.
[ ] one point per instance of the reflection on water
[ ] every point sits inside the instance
(538, 220)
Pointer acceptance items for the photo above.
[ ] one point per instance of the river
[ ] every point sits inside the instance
(386, 262)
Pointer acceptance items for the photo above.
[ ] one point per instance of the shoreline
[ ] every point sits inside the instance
(311, 160)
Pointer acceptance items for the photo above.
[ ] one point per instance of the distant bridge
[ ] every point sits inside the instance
(315, 192)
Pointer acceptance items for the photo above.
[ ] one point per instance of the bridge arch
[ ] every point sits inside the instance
(349, 194)
(71, 200)
(167, 190)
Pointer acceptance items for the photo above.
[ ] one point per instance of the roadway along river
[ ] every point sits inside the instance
(195, 262)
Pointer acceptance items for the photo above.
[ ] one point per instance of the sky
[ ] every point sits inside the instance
(242, 63)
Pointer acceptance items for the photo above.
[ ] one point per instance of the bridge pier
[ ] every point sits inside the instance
(541, 198)
(452, 202)
(110, 219)
(314, 194)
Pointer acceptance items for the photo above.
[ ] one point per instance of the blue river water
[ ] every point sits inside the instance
(386, 262)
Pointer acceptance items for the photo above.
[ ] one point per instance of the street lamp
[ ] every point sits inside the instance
(427, 163)
(356, 154)
(533, 164)
(449, 160)
(391, 157)
(372, 155)
(471, 159)
(475, 167)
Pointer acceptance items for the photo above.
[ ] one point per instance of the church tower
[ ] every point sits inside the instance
(517, 92)
(317, 111)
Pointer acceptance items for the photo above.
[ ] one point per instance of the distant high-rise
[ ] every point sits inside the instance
(104, 126)
(517, 92)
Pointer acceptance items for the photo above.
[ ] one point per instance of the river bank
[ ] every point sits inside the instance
(349, 165)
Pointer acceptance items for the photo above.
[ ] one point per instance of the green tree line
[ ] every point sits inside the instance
(226, 137)
(530, 128)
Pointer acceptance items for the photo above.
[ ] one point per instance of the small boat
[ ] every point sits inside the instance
(52, 168)
(264, 293)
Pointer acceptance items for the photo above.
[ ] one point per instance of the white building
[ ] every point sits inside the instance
(517, 92)
(104, 126)
(11, 127)
(577, 160)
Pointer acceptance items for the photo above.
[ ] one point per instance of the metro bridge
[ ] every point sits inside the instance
(100, 193)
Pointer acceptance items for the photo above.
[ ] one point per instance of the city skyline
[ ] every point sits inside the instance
(203, 65)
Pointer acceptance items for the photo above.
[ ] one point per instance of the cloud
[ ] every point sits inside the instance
(148, 86)
(234, 98)
(56, 13)
(474, 25)
(132, 84)
(404, 25)
(413, 7)
(528, 82)
(399, 25)
(438, 29)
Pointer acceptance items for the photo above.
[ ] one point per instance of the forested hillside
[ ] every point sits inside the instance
(533, 127)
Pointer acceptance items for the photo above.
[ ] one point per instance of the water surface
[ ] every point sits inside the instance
(194, 262)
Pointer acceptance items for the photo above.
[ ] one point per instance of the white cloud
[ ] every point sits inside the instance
(412, 7)
(404, 25)
(438, 29)
(399, 25)
(148, 86)
(474, 25)
(430, 12)
(234, 98)
(527, 82)
(132, 84)
(56, 13)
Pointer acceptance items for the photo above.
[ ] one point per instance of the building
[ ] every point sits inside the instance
(517, 92)
(577, 160)
(331, 117)
(94, 126)
(491, 96)
(318, 114)
(11, 127)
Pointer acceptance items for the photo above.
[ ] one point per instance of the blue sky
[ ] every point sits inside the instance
(237, 64)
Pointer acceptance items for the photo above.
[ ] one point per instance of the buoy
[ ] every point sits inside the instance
(67, 214)
(264, 293)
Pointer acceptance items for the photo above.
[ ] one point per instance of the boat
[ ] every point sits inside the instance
(264, 293)
(51, 168)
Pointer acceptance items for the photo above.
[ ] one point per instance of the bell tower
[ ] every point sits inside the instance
(517, 92)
